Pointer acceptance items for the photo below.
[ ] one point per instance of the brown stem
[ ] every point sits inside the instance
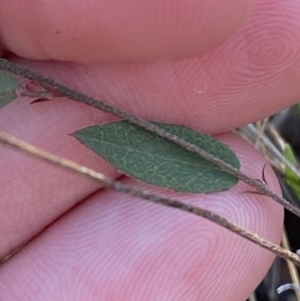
(63, 90)
(143, 194)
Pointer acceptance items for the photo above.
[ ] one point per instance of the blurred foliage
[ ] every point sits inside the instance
(291, 178)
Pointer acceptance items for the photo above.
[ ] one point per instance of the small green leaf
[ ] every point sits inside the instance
(291, 178)
(8, 86)
(150, 158)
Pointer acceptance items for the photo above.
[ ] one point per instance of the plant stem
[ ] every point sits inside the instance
(63, 90)
(146, 195)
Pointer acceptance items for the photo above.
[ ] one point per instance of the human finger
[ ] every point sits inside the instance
(93, 31)
(113, 246)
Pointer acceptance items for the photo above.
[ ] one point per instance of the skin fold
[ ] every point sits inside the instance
(210, 65)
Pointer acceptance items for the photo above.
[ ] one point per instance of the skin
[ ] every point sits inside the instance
(209, 65)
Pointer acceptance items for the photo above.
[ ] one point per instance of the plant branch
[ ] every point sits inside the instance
(146, 195)
(63, 90)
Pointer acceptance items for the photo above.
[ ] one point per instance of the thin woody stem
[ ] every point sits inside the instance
(63, 90)
(146, 195)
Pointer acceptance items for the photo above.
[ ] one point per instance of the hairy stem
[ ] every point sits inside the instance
(63, 90)
(146, 195)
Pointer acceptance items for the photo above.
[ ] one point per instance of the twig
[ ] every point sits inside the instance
(291, 267)
(63, 90)
(143, 194)
(251, 134)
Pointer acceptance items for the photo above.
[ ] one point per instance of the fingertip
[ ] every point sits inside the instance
(116, 246)
(118, 31)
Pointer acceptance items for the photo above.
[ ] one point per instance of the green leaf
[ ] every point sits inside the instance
(291, 178)
(150, 158)
(8, 86)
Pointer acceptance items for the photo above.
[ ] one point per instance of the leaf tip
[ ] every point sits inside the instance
(72, 135)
